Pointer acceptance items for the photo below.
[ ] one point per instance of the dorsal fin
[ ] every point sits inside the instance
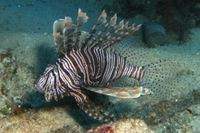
(113, 33)
(107, 26)
(101, 19)
(116, 33)
(123, 33)
(67, 35)
(63, 30)
(81, 19)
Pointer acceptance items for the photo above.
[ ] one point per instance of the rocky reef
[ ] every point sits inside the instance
(16, 85)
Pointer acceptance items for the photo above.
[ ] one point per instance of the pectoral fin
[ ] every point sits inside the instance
(121, 92)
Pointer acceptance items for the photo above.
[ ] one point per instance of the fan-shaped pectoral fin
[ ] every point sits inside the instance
(121, 92)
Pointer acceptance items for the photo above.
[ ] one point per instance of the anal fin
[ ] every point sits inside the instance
(95, 111)
(92, 105)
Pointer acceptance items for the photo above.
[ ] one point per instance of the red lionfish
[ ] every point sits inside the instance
(89, 64)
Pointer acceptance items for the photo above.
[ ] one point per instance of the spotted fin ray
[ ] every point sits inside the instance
(95, 107)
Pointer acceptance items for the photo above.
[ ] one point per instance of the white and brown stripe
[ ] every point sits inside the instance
(94, 66)
(93, 63)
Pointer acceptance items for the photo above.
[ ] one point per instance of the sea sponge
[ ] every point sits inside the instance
(154, 34)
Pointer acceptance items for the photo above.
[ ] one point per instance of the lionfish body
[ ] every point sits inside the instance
(89, 64)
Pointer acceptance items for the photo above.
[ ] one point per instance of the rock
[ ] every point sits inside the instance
(44, 120)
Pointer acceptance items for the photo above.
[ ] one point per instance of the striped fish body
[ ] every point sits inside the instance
(96, 66)
(89, 66)
(88, 63)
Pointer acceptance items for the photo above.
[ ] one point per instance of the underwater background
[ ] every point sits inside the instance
(170, 31)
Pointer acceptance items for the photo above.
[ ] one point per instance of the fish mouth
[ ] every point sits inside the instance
(46, 81)
(38, 88)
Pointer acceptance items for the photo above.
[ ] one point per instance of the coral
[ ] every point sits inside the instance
(122, 126)
(15, 83)
(8, 63)
(102, 129)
